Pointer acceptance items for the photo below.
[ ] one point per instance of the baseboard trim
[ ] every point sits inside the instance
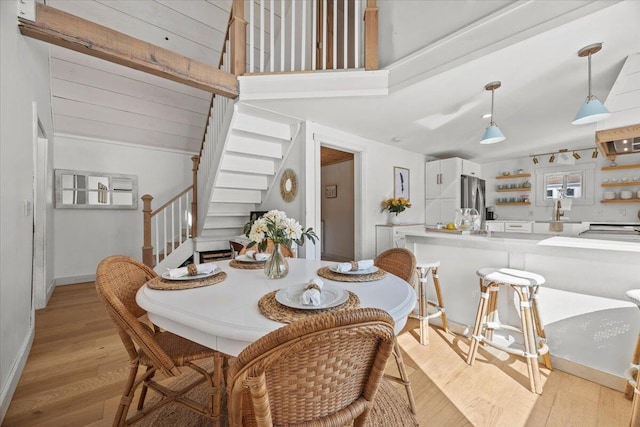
(72, 280)
(50, 289)
(14, 375)
(603, 378)
(594, 375)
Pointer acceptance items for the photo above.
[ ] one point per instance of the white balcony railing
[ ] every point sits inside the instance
(304, 35)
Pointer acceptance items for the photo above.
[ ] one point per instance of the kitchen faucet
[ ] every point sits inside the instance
(558, 211)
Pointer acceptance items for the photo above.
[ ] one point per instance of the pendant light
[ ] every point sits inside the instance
(592, 110)
(493, 133)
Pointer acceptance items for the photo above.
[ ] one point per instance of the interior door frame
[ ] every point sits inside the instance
(315, 191)
(41, 184)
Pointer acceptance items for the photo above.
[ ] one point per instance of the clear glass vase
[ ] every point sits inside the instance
(276, 266)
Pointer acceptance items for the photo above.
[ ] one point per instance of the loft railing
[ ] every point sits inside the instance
(311, 35)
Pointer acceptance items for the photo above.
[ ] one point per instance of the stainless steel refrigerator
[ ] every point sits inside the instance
(473, 196)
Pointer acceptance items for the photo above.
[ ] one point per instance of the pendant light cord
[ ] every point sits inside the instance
(589, 96)
(492, 122)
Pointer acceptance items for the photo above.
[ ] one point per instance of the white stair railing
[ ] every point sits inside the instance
(213, 145)
(286, 35)
(167, 227)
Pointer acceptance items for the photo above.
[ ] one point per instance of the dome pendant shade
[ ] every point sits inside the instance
(492, 135)
(591, 111)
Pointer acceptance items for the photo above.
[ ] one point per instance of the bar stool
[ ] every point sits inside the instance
(525, 285)
(632, 372)
(424, 269)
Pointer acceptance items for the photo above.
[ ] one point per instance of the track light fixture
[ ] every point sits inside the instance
(563, 155)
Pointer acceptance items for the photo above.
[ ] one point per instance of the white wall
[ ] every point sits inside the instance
(24, 78)
(337, 213)
(592, 210)
(295, 208)
(85, 236)
(376, 181)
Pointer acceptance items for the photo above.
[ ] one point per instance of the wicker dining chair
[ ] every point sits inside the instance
(324, 370)
(286, 250)
(235, 247)
(118, 278)
(402, 263)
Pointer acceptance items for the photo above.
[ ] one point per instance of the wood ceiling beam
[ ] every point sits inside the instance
(69, 31)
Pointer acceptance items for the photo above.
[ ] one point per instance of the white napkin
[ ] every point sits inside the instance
(313, 296)
(207, 268)
(258, 256)
(344, 267)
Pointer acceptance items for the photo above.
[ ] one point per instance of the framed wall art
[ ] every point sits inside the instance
(400, 182)
(331, 191)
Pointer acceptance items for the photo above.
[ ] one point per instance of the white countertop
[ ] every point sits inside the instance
(534, 239)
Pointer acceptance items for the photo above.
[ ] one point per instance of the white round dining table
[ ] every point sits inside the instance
(225, 316)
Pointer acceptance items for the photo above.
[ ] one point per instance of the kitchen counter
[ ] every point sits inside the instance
(591, 328)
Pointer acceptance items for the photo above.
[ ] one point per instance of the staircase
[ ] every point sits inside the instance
(257, 145)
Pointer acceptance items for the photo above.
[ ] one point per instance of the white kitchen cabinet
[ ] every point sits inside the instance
(495, 226)
(470, 168)
(390, 235)
(443, 178)
(441, 210)
(511, 226)
(518, 226)
(442, 190)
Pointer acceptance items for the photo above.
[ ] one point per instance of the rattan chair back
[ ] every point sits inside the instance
(118, 278)
(398, 261)
(286, 250)
(323, 370)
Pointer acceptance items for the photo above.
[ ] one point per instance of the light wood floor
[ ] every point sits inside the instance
(77, 366)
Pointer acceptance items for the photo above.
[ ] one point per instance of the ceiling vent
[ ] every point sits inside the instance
(619, 141)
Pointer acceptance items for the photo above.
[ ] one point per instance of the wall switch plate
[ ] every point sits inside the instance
(27, 207)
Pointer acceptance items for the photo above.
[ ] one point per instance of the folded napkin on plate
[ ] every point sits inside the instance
(258, 256)
(344, 267)
(207, 268)
(311, 295)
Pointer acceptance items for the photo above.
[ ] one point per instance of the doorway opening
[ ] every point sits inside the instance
(337, 232)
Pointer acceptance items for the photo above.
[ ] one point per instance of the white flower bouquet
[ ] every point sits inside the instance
(275, 226)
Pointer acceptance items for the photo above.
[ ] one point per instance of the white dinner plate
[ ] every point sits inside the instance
(355, 272)
(330, 296)
(247, 258)
(166, 276)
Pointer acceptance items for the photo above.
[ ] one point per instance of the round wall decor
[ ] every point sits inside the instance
(288, 185)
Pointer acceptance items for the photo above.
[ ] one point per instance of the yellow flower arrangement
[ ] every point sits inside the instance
(395, 205)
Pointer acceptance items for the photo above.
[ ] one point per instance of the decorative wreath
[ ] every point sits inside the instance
(288, 177)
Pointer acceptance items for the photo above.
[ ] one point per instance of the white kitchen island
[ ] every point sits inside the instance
(591, 328)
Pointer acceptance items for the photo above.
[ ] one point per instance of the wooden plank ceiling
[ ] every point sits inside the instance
(329, 156)
(99, 99)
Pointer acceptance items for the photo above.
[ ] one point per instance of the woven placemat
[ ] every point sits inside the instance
(246, 265)
(161, 284)
(273, 310)
(328, 274)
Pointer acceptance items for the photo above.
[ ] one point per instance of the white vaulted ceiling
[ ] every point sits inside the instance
(439, 54)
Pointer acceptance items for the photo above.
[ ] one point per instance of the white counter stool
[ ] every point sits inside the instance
(525, 285)
(424, 269)
(632, 372)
